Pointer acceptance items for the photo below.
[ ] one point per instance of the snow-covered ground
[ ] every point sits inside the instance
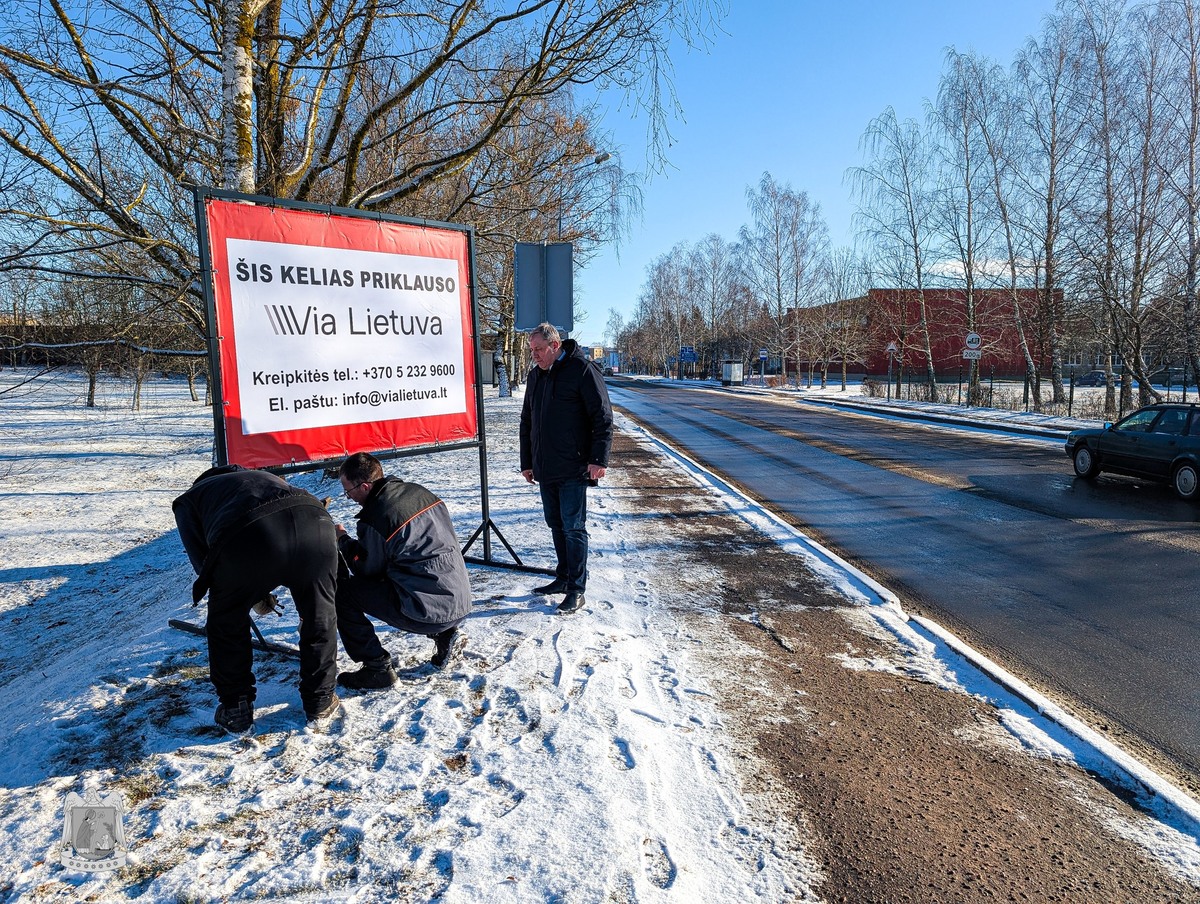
(565, 759)
(571, 759)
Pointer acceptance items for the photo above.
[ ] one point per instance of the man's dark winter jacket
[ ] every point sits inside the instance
(566, 422)
(405, 534)
(220, 503)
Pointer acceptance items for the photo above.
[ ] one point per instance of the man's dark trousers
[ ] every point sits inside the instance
(359, 597)
(564, 503)
(296, 548)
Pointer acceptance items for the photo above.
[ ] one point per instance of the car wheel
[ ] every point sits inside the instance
(1186, 481)
(1086, 465)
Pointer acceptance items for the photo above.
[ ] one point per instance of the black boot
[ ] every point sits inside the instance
(236, 718)
(573, 602)
(446, 646)
(373, 676)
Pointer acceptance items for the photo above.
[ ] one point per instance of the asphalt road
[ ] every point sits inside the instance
(1086, 590)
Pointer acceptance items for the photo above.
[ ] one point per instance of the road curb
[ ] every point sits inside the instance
(934, 417)
(1137, 772)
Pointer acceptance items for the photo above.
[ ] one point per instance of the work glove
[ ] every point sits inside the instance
(268, 605)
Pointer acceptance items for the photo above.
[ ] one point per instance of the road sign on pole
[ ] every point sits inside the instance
(892, 349)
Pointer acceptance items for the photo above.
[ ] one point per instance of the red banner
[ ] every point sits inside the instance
(339, 334)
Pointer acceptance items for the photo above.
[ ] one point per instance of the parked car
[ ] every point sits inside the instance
(1159, 442)
(1094, 378)
(608, 371)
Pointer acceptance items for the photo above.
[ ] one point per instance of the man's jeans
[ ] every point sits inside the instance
(564, 504)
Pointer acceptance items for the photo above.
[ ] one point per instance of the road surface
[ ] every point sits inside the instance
(1086, 590)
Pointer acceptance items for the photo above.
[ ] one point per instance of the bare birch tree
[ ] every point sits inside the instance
(895, 202)
(1177, 26)
(714, 281)
(783, 251)
(960, 209)
(1119, 227)
(853, 336)
(663, 308)
(1046, 85)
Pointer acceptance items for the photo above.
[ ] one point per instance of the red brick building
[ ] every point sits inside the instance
(865, 327)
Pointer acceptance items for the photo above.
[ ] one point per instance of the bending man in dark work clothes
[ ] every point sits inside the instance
(246, 533)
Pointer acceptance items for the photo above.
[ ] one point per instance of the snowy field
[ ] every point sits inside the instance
(567, 759)
(576, 759)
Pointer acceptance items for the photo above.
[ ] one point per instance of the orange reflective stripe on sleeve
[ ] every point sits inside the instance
(410, 520)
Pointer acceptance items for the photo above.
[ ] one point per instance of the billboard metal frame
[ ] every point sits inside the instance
(220, 445)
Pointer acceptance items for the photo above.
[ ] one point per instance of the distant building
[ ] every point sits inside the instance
(897, 314)
(861, 330)
(604, 357)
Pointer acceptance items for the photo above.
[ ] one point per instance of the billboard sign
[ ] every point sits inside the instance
(336, 332)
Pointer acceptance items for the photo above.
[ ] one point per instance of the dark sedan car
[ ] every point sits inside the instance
(1159, 442)
(1094, 378)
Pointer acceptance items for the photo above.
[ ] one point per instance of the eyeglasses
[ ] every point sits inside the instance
(348, 491)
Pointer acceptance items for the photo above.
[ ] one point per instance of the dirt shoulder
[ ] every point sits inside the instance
(905, 791)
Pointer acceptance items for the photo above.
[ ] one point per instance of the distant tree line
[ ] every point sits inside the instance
(731, 300)
(1074, 168)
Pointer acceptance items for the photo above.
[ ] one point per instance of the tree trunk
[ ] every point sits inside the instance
(237, 83)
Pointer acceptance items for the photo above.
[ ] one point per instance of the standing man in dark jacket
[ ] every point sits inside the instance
(406, 570)
(246, 533)
(566, 435)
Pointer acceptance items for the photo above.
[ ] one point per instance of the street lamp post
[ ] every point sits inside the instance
(595, 161)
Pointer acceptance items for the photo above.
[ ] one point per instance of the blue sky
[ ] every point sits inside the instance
(789, 88)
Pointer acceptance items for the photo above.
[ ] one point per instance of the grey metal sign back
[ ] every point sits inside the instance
(543, 281)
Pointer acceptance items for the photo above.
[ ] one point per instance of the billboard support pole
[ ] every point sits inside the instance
(212, 340)
(479, 419)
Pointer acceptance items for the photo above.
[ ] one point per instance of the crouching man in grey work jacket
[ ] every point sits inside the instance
(405, 569)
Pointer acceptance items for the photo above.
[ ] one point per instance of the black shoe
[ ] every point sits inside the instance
(236, 717)
(446, 647)
(573, 603)
(556, 586)
(323, 712)
(368, 678)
